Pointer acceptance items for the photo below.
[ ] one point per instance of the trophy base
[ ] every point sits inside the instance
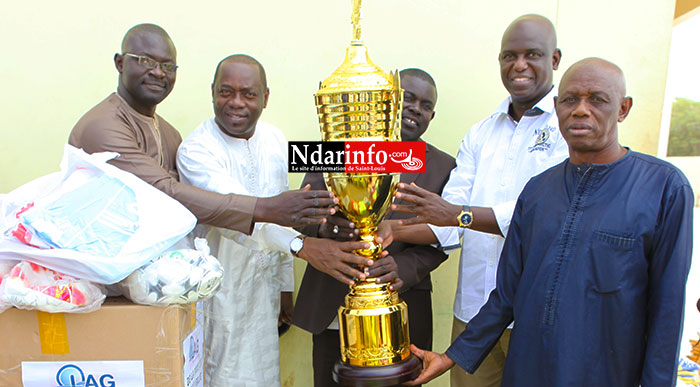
(377, 376)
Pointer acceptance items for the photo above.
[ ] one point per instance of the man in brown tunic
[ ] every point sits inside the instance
(126, 123)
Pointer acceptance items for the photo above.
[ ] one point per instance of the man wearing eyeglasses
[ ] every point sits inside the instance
(126, 123)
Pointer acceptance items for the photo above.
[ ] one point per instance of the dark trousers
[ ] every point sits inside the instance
(326, 345)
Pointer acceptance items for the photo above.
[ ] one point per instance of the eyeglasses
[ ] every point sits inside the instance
(150, 64)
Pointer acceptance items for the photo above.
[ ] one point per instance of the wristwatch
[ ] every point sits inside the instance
(465, 217)
(296, 245)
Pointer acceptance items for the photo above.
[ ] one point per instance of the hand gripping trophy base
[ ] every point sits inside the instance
(374, 332)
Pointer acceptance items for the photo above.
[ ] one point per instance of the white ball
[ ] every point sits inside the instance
(174, 290)
(151, 298)
(196, 276)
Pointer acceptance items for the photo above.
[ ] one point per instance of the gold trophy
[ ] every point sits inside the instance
(360, 102)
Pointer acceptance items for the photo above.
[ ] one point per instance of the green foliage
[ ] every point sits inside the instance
(684, 137)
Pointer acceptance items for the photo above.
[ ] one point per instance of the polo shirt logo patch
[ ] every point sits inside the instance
(542, 136)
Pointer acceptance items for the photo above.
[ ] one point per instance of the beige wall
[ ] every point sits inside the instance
(691, 168)
(56, 63)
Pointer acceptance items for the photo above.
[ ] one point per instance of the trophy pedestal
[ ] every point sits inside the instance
(379, 376)
(374, 341)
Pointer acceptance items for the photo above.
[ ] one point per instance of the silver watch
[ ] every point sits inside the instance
(296, 245)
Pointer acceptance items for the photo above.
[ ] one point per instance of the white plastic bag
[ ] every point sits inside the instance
(177, 277)
(30, 286)
(48, 221)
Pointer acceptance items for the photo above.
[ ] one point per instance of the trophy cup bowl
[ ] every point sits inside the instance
(360, 102)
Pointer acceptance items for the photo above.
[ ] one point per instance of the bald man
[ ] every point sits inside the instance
(495, 160)
(596, 259)
(126, 122)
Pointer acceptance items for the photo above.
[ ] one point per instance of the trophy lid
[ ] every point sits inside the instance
(359, 101)
(357, 73)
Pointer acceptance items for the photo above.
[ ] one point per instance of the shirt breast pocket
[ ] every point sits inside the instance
(609, 256)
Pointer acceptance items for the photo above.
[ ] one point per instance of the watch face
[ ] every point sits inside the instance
(296, 245)
(466, 219)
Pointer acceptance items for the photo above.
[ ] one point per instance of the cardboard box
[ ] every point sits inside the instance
(120, 330)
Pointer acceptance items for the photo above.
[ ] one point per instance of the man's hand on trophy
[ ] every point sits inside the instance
(386, 270)
(336, 258)
(300, 207)
(338, 228)
(385, 232)
(427, 206)
(434, 365)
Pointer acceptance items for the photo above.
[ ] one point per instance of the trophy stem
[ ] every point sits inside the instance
(369, 287)
(369, 235)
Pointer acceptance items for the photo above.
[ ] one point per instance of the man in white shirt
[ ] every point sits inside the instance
(234, 152)
(496, 158)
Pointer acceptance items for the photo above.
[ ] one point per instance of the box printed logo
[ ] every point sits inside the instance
(72, 376)
(108, 373)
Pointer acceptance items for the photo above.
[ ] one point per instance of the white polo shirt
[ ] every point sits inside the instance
(495, 160)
